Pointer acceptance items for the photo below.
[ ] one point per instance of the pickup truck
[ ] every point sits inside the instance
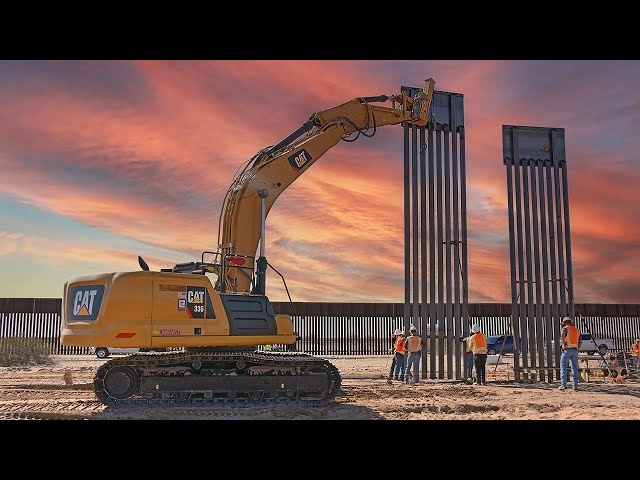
(592, 345)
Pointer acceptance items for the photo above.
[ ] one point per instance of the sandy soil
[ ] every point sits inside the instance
(40, 392)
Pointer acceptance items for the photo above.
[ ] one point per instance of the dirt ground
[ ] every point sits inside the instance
(40, 392)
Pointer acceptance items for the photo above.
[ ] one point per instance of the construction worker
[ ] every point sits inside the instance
(468, 348)
(570, 345)
(413, 346)
(635, 351)
(479, 349)
(399, 356)
(392, 350)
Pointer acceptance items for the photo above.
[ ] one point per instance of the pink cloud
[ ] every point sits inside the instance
(157, 170)
(78, 253)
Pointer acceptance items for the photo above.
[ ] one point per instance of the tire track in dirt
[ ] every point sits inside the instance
(56, 409)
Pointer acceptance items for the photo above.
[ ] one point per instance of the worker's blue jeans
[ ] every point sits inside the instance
(469, 365)
(413, 366)
(398, 371)
(569, 355)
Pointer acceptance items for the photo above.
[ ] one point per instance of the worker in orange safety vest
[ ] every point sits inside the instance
(635, 350)
(399, 356)
(571, 342)
(479, 349)
(413, 344)
(468, 346)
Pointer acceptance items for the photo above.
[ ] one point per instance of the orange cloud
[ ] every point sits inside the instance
(155, 166)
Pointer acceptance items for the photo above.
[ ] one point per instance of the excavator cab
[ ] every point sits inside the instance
(219, 265)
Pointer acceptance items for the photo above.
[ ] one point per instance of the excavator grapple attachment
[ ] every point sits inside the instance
(422, 101)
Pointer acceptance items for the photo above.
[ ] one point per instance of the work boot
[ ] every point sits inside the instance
(562, 387)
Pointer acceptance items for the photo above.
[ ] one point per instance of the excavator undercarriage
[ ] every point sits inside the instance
(217, 378)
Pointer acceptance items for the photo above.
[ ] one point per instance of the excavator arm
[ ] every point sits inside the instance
(273, 169)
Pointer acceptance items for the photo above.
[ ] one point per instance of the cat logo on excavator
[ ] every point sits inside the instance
(85, 302)
(299, 159)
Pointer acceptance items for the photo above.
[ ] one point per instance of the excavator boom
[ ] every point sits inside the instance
(275, 168)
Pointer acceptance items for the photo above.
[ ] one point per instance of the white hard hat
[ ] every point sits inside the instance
(397, 331)
(413, 328)
(475, 328)
(566, 320)
(637, 339)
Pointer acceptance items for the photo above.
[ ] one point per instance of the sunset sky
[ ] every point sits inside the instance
(102, 161)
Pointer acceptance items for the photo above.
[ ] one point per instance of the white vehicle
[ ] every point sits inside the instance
(104, 352)
(592, 345)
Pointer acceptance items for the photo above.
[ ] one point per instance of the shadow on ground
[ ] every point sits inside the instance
(630, 389)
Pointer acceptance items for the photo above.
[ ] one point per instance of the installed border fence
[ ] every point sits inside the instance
(335, 328)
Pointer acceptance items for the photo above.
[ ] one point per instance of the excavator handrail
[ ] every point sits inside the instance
(222, 283)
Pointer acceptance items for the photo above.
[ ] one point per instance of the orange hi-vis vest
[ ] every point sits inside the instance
(635, 349)
(479, 343)
(400, 344)
(414, 343)
(469, 344)
(571, 339)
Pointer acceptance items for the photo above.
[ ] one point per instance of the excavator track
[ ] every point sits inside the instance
(214, 378)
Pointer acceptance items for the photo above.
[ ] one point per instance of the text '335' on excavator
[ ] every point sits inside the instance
(202, 338)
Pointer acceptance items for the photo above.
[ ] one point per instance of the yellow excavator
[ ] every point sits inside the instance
(200, 340)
